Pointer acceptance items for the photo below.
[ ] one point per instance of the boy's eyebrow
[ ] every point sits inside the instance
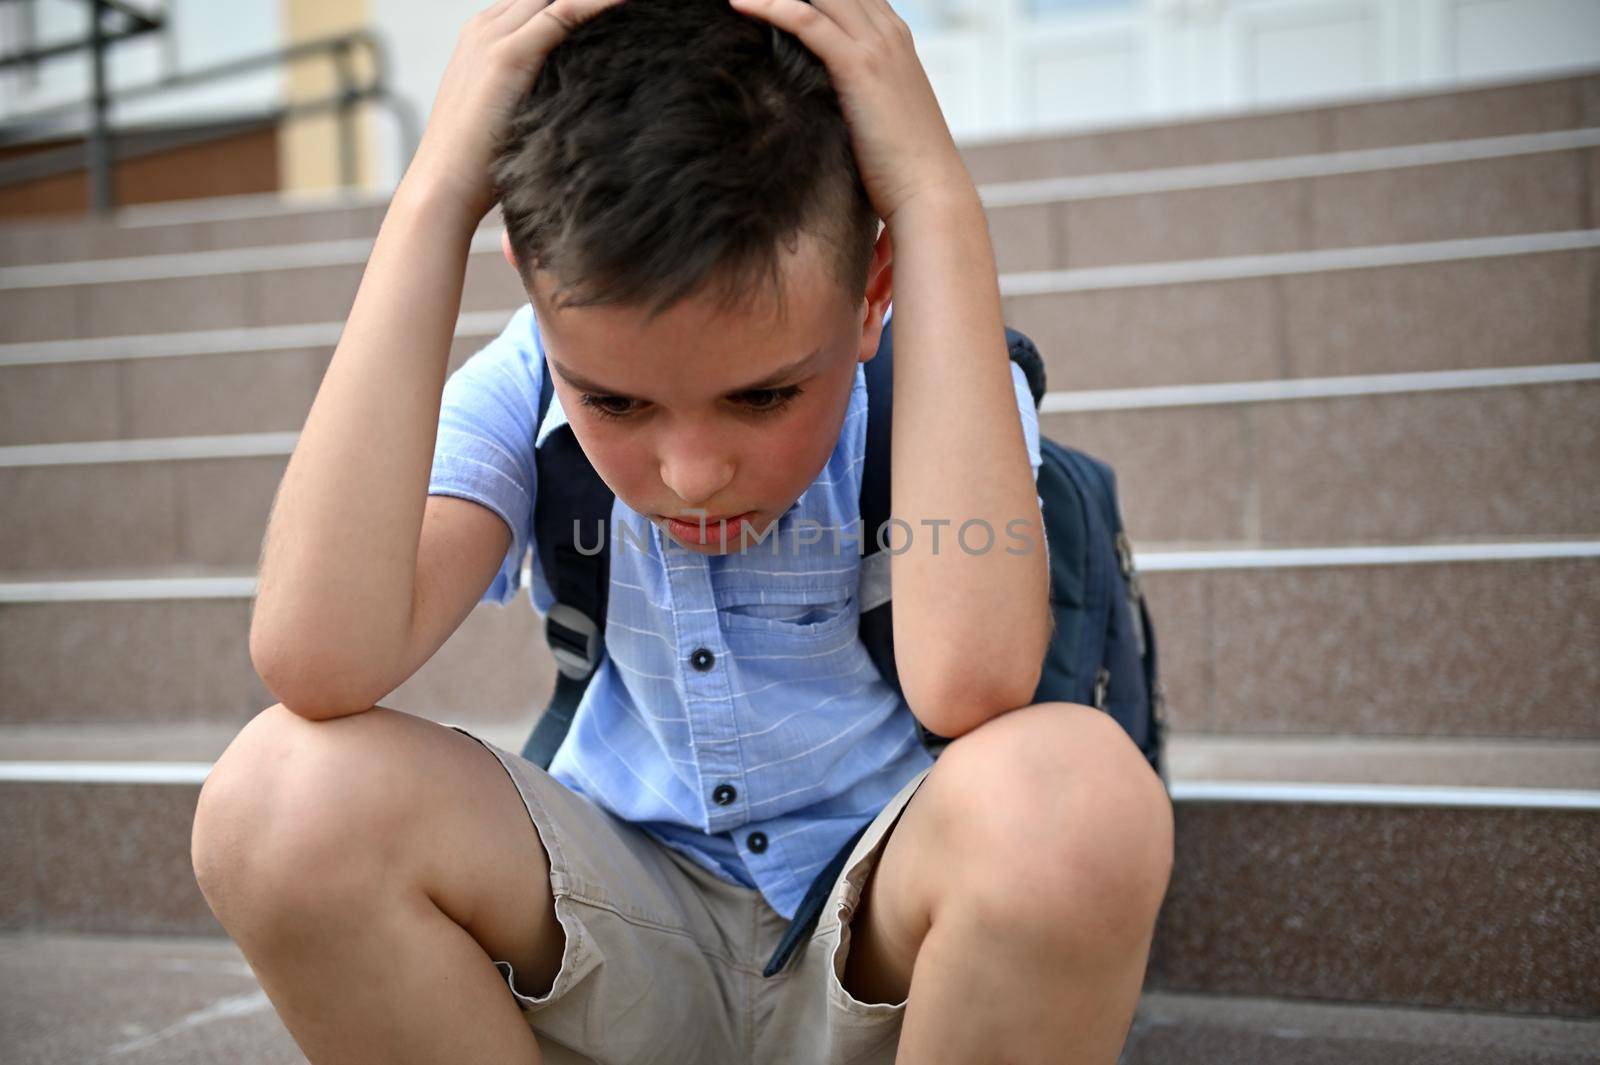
(778, 377)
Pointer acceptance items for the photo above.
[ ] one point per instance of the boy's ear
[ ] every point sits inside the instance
(880, 291)
(505, 249)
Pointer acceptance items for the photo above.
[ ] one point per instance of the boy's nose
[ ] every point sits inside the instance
(698, 481)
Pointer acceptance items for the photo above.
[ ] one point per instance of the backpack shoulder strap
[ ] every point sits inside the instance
(572, 514)
(876, 631)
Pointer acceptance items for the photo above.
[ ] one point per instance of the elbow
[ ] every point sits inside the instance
(955, 706)
(316, 709)
(315, 690)
(963, 680)
(314, 701)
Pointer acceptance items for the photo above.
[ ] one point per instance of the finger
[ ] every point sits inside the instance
(875, 17)
(516, 13)
(548, 26)
(825, 37)
(849, 14)
(883, 16)
(494, 10)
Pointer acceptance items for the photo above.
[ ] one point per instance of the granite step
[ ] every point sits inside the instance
(1197, 1029)
(1280, 465)
(1385, 459)
(1454, 305)
(193, 1000)
(135, 1000)
(1442, 640)
(264, 286)
(192, 225)
(1538, 183)
(1298, 872)
(1442, 305)
(1477, 639)
(1528, 184)
(175, 648)
(1377, 121)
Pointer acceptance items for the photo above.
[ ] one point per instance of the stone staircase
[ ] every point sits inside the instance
(1346, 362)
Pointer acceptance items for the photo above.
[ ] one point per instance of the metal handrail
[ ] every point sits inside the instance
(139, 24)
(98, 147)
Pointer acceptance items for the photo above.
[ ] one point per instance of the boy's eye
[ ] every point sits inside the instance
(759, 401)
(598, 405)
(767, 400)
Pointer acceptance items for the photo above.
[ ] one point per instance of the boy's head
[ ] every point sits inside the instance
(682, 203)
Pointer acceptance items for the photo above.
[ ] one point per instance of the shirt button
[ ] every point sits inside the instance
(724, 794)
(757, 841)
(702, 659)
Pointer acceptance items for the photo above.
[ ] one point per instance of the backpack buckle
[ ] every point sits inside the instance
(574, 639)
(1135, 590)
(1102, 685)
(1124, 553)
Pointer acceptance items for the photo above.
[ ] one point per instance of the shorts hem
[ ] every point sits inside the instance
(562, 881)
(846, 899)
(579, 951)
(579, 956)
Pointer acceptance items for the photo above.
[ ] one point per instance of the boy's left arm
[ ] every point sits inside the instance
(970, 629)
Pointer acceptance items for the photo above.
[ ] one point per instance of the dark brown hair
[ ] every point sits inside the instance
(669, 147)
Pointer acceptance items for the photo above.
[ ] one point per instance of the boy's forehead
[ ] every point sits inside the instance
(805, 280)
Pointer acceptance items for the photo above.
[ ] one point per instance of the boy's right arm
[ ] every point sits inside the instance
(363, 575)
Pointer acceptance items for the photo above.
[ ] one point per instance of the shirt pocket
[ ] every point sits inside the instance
(788, 613)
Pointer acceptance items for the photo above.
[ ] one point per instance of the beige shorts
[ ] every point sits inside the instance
(663, 958)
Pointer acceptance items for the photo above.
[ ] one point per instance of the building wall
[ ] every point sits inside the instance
(235, 163)
(1008, 67)
(311, 145)
(420, 39)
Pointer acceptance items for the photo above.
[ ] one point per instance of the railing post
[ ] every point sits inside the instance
(346, 74)
(98, 145)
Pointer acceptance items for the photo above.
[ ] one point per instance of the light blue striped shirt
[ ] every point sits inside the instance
(792, 715)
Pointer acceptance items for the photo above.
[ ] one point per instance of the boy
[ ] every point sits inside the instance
(691, 191)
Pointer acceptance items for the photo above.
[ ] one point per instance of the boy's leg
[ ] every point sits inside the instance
(1016, 898)
(370, 867)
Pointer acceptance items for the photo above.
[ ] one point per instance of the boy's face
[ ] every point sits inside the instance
(690, 435)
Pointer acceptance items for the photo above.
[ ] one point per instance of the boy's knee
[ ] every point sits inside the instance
(1067, 828)
(283, 813)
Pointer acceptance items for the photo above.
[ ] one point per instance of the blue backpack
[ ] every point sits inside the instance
(1103, 653)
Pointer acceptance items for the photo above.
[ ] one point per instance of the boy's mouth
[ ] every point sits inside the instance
(698, 530)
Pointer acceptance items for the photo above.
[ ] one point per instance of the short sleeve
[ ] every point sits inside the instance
(488, 418)
(1030, 417)
(1030, 428)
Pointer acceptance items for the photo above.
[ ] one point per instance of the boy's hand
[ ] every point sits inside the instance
(902, 145)
(498, 55)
